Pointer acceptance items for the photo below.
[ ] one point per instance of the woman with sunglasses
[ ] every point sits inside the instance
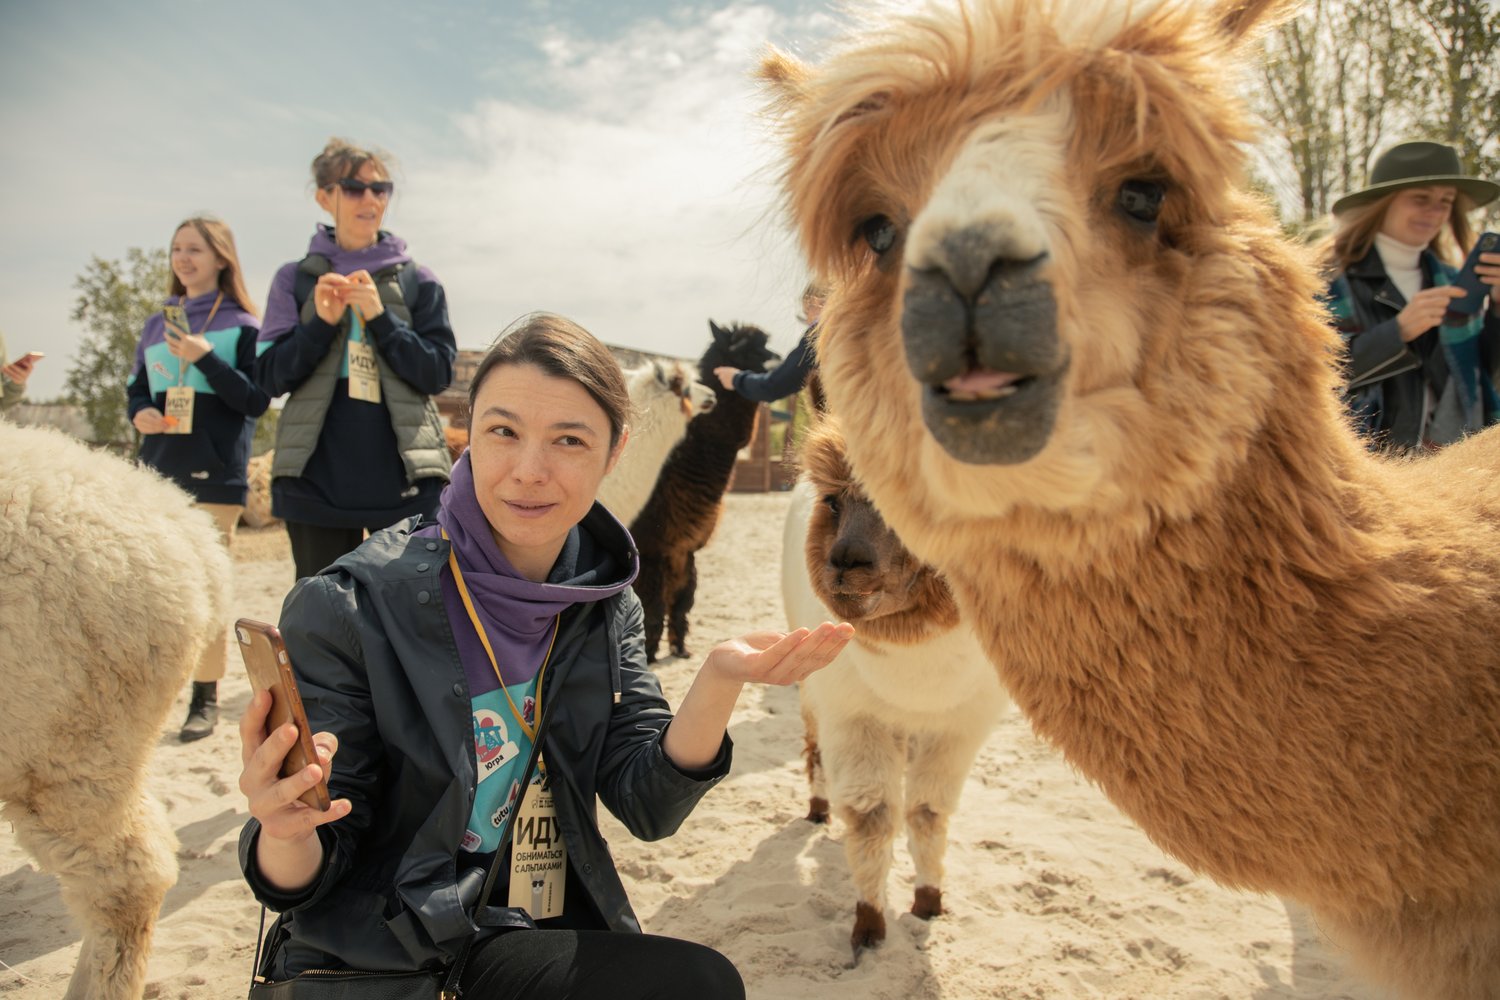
(357, 333)
(193, 400)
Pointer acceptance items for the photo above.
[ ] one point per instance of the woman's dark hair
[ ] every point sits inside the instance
(562, 349)
(341, 158)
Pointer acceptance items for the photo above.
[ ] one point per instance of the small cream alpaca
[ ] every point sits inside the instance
(664, 398)
(912, 695)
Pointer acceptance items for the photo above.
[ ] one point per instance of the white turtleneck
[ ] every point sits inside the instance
(1402, 264)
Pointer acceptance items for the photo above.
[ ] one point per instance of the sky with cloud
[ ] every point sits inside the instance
(599, 158)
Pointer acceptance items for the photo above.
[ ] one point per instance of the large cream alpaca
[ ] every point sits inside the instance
(111, 584)
(1083, 375)
(908, 702)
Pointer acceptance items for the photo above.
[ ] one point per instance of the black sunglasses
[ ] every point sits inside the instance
(356, 188)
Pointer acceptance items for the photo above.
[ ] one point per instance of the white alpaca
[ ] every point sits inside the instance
(913, 692)
(111, 584)
(664, 398)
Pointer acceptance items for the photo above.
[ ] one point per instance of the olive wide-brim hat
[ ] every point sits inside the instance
(1418, 164)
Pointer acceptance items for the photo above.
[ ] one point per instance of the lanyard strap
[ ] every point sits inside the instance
(484, 639)
(211, 314)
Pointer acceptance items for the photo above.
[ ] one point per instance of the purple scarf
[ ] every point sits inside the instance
(517, 613)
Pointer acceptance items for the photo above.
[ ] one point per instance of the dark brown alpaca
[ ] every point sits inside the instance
(680, 516)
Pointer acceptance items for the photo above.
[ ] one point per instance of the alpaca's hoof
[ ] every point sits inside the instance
(929, 902)
(869, 928)
(817, 810)
(679, 649)
(650, 656)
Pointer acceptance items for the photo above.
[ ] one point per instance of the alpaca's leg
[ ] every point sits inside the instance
(864, 759)
(682, 603)
(934, 780)
(650, 587)
(817, 803)
(1428, 951)
(114, 865)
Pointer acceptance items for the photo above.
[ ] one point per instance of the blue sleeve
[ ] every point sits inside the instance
(420, 353)
(235, 384)
(783, 380)
(289, 349)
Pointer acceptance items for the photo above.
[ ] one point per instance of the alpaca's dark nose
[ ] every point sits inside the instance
(851, 553)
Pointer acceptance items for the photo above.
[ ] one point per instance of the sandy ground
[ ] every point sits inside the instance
(1051, 892)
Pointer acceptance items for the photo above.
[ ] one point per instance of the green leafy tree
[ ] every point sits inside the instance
(115, 299)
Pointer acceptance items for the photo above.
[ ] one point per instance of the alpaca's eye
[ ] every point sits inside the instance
(878, 231)
(1141, 200)
(832, 501)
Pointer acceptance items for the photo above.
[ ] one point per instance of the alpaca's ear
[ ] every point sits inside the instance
(718, 331)
(783, 75)
(1246, 21)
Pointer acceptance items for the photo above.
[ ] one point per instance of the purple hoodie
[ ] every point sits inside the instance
(281, 304)
(517, 613)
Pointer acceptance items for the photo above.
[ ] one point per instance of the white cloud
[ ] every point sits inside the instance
(639, 203)
(623, 181)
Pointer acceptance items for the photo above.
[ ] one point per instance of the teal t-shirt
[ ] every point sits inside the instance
(501, 749)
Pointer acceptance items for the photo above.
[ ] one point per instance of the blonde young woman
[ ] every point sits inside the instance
(194, 401)
(1420, 376)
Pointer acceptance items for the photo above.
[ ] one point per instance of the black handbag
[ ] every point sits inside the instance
(423, 984)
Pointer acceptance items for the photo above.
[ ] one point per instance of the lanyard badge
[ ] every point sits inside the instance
(179, 403)
(538, 856)
(364, 372)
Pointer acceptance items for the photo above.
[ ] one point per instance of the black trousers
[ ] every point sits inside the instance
(314, 546)
(608, 965)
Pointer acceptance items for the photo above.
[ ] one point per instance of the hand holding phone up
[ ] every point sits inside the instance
(286, 767)
(19, 370)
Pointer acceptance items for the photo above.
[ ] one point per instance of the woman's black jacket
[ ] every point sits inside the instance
(377, 665)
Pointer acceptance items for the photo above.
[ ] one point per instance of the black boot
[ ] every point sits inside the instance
(202, 713)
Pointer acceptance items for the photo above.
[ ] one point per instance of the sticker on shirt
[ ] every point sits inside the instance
(473, 841)
(538, 858)
(493, 747)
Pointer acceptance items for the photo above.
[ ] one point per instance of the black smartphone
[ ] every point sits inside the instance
(1468, 279)
(270, 669)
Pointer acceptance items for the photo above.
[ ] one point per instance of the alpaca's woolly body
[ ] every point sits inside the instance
(882, 710)
(1276, 652)
(680, 516)
(112, 585)
(660, 420)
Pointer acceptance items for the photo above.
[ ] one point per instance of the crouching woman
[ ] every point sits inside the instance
(426, 659)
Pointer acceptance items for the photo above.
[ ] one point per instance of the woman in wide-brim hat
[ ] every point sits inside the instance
(1418, 372)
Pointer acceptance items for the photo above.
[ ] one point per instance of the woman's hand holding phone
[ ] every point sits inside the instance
(288, 852)
(189, 347)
